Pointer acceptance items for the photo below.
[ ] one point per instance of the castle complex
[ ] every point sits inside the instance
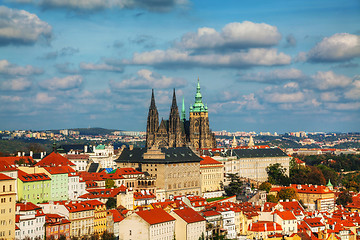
(177, 132)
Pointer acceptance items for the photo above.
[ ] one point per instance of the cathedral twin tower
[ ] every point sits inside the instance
(177, 132)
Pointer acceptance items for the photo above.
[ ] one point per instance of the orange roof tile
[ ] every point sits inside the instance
(264, 226)
(155, 216)
(189, 215)
(5, 177)
(25, 177)
(54, 159)
(59, 170)
(209, 161)
(117, 217)
(13, 160)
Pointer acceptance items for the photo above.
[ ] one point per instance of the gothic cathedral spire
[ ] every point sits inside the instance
(152, 121)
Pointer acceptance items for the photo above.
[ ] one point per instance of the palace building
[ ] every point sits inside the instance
(179, 132)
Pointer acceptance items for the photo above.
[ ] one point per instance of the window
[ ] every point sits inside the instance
(130, 232)
(3, 188)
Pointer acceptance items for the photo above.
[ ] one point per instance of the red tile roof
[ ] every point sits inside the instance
(292, 206)
(117, 217)
(25, 177)
(54, 159)
(5, 166)
(189, 215)
(81, 206)
(155, 216)
(103, 193)
(14, 160)
(60, 170)
(209, 213)
(28, 206)
(127, 171)
(5, 177)
(285, 215)
(264, 226)
(312, 189)
(145, 195)
(209, 161)
(314, 222)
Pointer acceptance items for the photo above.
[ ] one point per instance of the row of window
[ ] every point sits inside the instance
(10, 188)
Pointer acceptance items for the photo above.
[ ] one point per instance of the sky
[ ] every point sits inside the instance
(276, 66)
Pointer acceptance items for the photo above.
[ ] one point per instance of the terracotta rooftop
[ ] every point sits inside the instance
(189, 215)
(155, 216)
(264, 226)
(25, 177)
(54, 159)
(5, 177)
(209, 161)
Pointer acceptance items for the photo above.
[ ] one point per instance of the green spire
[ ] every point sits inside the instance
(183, 114)
(198, 105)
(329, 184)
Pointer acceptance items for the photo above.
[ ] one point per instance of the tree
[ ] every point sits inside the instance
(235, 186)
(344, 198)
(265, 186)
(62, 237)
(110, 203)
(287, 193)
(107, 236)
(277, 175)
(271, 198)
(109, 183)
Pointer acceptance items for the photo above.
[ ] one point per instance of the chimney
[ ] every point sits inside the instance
(19, 154)
(85, 149)
(23, 153)
(31, 153)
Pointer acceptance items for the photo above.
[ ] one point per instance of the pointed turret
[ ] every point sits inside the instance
(234, 143)
(152, 103)
(198, 105)
(152, 121)
(183, 113)
(251, 141)
(174, 104)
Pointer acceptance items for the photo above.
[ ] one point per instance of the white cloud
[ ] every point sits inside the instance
(21, 27)
(146, 78)
(44, 98)
(284, 97)
(330, 80)
(179, 59)
(17, 84)
(100, 67)
(329, 97)
(66, 83)
(7, 98)
(273, 76)
(338, 47)
(233, 36)
(354, 92)
(12, 69)
(344, 106)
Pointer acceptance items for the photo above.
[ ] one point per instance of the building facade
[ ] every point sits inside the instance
(7, 207)
(179, 132)
(177, 170)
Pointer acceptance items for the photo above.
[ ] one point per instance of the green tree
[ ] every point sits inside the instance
(235, 186)
(344, 198)
(271, 198)
(277, 175)
(110, 203)
(107, 236)
(109, 183)
(287, 193)
(265, 186)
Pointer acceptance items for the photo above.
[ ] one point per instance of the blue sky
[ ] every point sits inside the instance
(263, 65)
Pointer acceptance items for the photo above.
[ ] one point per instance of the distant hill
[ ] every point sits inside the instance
(91, 131)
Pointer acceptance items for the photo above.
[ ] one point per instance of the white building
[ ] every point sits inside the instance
(154, 224)
(189, 225)
(30, 220)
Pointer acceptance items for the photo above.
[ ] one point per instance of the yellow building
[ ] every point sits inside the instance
(212, 173)
(99, 216)
(7, 207)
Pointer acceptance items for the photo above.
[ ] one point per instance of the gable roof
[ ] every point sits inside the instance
(5, 177)
(13, 160)
(189, 215)
(28, 206)
(54, 159)
(285, 215)
(59, 170)
(117, 217)
(25, 177)
(209, 161)
(155, 216)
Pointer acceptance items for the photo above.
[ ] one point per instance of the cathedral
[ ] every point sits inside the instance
(180, 132)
